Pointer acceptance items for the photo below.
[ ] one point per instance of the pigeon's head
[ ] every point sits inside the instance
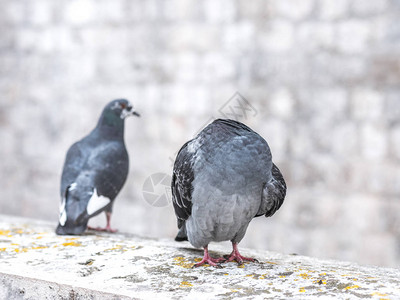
(122, 108)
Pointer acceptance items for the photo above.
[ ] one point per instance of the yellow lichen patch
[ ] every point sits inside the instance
(270, 262)
(248, 275)
(302, 290)
(39, 247)
(117, 247)
(182, 262)
(185, 284)
(72, 239)
(322, 274)
(379, 294)
(5, 233)
(320, 281)
(226, 274)
(355, 279)
(2, 249)
(197, 259)
(235, 290)
(241, 266)
(14, 244)
(282, 276)
(39, 237)
(21, 250)
(73, 244)
(351, 287)
(261, 277)
(304, 276)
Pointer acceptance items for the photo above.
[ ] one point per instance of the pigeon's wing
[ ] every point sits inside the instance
(182, 184)
(73, 165)
(274, 193)
(110, 164)
(101, 178)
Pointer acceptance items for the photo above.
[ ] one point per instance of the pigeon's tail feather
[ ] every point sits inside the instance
(182, 235)
(76, 203)
(73, 214)
(273, 194)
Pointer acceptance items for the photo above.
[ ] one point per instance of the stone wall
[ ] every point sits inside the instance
(37, 264)
(320, 80)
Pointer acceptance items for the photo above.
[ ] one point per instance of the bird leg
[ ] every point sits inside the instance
(235, 255)
(108, 226)
(207, 259)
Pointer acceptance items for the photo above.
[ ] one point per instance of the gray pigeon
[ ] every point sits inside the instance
(222, 179)
(95, 170)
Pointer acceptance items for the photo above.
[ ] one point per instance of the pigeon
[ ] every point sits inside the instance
(222, 179)
(95, 170)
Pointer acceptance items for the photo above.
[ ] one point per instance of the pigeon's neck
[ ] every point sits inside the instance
(110, 126)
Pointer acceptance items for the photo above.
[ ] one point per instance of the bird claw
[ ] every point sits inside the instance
(241, 262)
(214, 262)
(239, 258)
(215, 265)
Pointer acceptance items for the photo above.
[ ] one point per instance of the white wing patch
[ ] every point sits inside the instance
(72, 186)
(63, 213)
(96, 202)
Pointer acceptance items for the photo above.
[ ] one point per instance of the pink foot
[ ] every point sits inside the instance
(105, 229)
(207, 259)
(235, 255)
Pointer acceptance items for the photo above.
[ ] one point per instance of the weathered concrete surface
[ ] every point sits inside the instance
(35, 263)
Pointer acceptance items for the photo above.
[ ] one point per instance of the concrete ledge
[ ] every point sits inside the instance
(19, 287)
(35, 263)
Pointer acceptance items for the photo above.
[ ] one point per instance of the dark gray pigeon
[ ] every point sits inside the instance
(95, 170)
(222, 179)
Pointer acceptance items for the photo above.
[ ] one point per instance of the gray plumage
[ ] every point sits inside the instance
(222, 179)
(95, 170)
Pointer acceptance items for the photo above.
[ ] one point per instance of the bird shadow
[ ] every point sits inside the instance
(199, 252)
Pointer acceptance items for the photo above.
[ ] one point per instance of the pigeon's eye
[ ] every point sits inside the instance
(123, 105)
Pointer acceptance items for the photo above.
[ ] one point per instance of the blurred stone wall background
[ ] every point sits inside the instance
(321, 78)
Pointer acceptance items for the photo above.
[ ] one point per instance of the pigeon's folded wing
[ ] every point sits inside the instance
(73, 164)
(182, 184)
(273, 195)
(110, 165)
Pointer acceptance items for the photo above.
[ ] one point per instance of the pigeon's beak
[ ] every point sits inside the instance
(129, 111)
(132, 111)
